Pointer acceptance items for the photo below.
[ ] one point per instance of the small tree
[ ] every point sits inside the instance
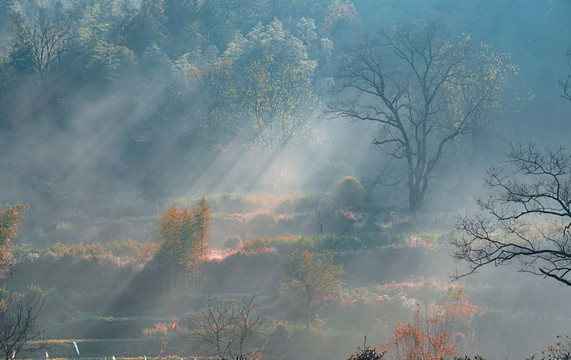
(9, 224)
(278, 100)
(184, 235)
(526, 219)
(19, 322)
(229, 329)
(431, 337)
(312, 279)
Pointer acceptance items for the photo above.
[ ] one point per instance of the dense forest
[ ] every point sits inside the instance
(247, 179)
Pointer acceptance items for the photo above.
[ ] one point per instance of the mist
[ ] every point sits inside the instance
(267, 132)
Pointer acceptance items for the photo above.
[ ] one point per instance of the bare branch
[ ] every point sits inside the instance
(229, 329)
(528, 216)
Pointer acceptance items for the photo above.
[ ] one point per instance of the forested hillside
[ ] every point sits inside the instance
(285, 177)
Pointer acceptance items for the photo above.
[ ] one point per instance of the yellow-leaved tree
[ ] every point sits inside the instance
(183, 235)
(278, 100)
(312, 280)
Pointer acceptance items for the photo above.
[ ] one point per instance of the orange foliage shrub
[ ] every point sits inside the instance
(9, 224)
(431, 337)
(159, 329)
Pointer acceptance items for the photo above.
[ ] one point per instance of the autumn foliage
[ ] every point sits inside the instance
(312, 280)
(9, 224)
(215, 74)
(278, 99)
(183, 235)
(431, 337)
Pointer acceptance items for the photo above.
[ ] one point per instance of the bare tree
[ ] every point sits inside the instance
(48, 31)
(229, 329)
(424, 92)
(19, 323)
(526, 219)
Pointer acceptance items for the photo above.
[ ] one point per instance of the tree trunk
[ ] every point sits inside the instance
(414, 199)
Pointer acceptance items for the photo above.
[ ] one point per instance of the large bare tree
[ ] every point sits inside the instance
(526, 219)
(424, 91)
(46, 31)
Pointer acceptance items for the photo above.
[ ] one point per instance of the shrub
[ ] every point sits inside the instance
(262, 224)
(233, 243)
(348, 193)
(367, 353)
(159, 331)
(431, 337)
